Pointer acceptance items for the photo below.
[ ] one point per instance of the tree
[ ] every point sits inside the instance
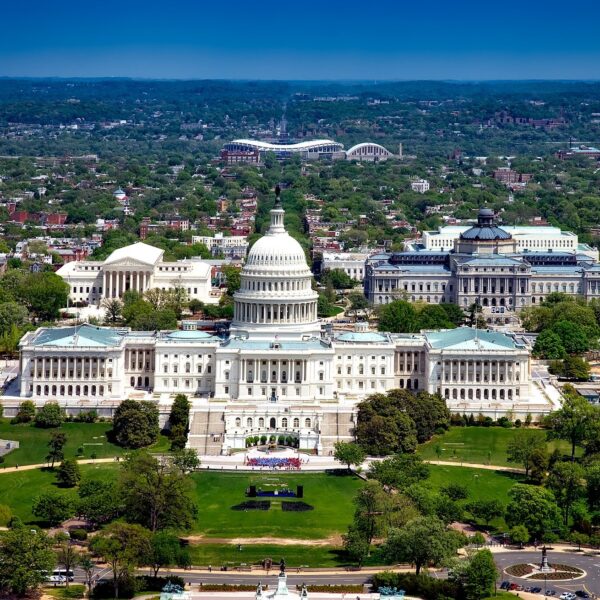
(399, 471)
(56, 446)
(455, 491)
(566, 480)
(179, 418)
(25, 413)
(519, 534)
(232, 277)
(480, 575)
(164, 551)
(538, 464)
(68, 474)
(50, 415)
(44, 294)
(155, 493)
(356, 545)
(522, 445)
(533, 507)
(99, 501)
(87, 565)
(548, 345)
(428, 411)
(12, 314)
(338, 278)
(67, 555)
(135, 424)
(358, 303)
(112, 309)
(592, 480)
(575, 367)
(124, 547)
(422, 541)
(186, 460)
(573, 337)
(574, 420)
(486, 510)
(53, 508)
(383, 427)
(349, 454)
(25, 557)
(369, 501)
(398, 316)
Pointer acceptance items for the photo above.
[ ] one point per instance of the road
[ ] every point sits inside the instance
(590, 564)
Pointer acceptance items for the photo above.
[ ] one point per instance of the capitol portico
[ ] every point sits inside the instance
(277, 374)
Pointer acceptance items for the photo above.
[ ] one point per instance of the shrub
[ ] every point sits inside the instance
(263, 439)
(79, 535)
(281, 440)
(25, 413)
(86, 416)
(296, 506)
(422, 586)
(156, 584)
(50, 415)
(105, 589)
(5, 515)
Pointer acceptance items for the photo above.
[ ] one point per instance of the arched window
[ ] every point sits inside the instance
(69, 390)
(249, 423)
(284, 422)
(273, 423)
(54, 390)
(132, 381)
(307, 423)
(62, 390)
(296, 422)
(238, 422)
(261, 422)
(85, 390)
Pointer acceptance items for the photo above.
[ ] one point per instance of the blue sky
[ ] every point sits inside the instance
(306, 39)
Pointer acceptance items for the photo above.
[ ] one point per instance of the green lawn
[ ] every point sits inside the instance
(484, 445)
(330, 495)
(33, 442)
(295, 556)
(19, 489)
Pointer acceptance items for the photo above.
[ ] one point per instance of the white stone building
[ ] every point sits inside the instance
(420, 185)
(137, 267)
(352, 263)
(232, 246)
(276, 374)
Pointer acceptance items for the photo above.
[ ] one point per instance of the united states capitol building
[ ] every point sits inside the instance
(277, 373)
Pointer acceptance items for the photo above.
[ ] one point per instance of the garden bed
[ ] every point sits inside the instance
(253, 505)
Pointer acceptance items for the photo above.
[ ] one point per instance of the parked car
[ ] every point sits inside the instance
(505, 585)
(582, 594)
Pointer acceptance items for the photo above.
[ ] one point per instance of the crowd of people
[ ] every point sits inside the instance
(275, 463)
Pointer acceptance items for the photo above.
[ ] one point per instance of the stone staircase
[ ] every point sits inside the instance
(207, 430)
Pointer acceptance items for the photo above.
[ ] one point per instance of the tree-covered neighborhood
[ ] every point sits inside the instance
(333, 337)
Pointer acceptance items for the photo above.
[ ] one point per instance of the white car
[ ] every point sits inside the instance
(567, 596)
(56, 579)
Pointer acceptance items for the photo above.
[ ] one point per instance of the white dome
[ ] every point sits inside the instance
(277, 250)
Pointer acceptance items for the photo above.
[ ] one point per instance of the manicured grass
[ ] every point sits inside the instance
(330, 495)
(218, 555)
(33, 442)
(480, 445)
(19, 489)
(482, 484)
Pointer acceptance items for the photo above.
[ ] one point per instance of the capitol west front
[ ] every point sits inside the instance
(276, 374)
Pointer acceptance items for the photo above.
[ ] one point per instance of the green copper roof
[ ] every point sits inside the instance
(362, 336)
(467, 338)
(79, 336)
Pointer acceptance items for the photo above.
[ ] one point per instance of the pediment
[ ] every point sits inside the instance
(129, 262)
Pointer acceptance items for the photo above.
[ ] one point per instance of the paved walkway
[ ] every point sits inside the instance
(236, 462)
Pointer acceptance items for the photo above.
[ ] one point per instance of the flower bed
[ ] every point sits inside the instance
(253, 505)
(296, 506)
(528, 571)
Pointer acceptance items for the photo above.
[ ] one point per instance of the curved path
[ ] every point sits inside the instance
(236, 463)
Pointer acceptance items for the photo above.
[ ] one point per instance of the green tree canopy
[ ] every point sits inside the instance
(135, 424)
(533, 507)
(349, 454)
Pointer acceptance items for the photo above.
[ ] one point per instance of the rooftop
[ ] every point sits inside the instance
(139, 252)
(81, 336)
(467, 338)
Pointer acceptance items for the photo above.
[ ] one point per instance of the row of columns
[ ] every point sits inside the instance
(252, 312)
(251, 371)
(116, 283)
(467, 373)
(407, 362)
(139, 360)
(59, 368)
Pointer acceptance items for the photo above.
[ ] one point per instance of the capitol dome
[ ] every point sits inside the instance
(275, 299)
